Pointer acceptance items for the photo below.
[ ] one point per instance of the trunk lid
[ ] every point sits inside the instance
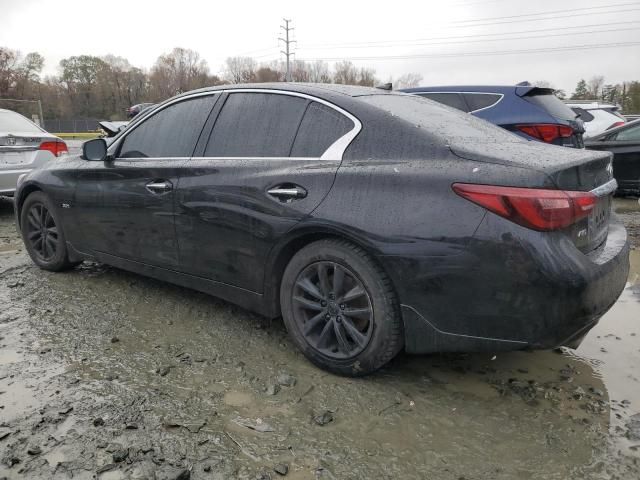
(566, 169)
(19, 149)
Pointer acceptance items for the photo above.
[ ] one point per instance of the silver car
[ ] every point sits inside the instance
(23, 147)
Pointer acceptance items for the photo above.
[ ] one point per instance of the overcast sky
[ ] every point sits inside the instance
(444, 41)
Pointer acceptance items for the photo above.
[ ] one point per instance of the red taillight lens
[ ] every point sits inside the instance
(56, 147)
(547, 132)
(536, 208)
(617, 124)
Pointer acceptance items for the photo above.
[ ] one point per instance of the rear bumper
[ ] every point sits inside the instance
(9, 180)
(513, 288)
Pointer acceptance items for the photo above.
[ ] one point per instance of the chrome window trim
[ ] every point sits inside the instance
(501, 95)
(309, 159)
(335, 152)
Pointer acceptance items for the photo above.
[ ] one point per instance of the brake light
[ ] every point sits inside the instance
(56, 147)
(547, 132)
(617, 124)
(535, 208)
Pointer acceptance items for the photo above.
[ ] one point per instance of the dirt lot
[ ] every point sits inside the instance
(105, 374)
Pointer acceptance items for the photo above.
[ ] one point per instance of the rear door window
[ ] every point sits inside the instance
(256, 125)
(319, 129)
(454, 100)
(172, 132)
(477, 101)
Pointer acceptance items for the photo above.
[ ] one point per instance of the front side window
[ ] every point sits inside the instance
(320, 128)
(172, 132)
(454, 100)
(256, 125)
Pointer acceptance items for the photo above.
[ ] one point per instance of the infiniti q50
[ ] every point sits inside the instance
(371, 221)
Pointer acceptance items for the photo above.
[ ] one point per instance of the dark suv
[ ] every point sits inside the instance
(532, 112)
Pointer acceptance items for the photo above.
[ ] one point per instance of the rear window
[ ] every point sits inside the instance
(477, 101)
(14, 122)
(454, 100)
(445, 123)
(550, 103)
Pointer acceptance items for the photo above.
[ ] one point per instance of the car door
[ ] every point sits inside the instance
(124, 207)
(625, 146)
(269, 160)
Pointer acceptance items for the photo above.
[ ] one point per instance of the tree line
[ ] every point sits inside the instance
(103, 87)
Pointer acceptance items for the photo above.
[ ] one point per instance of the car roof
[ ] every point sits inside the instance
(595, 105)
(309, 88)
(466, 88)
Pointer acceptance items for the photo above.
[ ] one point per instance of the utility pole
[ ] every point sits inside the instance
(287, 51)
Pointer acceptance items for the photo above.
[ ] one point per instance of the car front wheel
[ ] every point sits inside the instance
(42, 234)
(340, 308)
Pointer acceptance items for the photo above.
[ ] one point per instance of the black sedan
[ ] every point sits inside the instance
(372, 221)
(624, 143)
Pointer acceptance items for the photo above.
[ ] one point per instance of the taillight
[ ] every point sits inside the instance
(547, 132)
(535, 208)
(617, 124)
(56, 147)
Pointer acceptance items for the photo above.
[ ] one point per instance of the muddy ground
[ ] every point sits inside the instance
(110, 375)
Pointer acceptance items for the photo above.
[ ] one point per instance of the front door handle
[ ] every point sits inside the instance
(158, 187)
(287, 192)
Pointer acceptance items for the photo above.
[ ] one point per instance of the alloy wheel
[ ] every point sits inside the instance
(42, 232)
(332, 309)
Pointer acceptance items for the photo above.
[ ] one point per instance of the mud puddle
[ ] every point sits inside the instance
(117, 376)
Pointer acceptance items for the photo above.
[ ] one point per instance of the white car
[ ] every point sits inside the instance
(598, 117)
(23, 147)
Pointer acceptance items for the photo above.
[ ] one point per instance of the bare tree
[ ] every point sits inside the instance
(240, 70)
(408, 80)
(346, 73)
(177, 72)
(267, 74)
(595, 84)
(319, 72)
(8, 64)
(367, 77)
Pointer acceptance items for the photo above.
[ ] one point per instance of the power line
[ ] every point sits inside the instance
(524, 20)
(571, 10)
(475, 40)
(453, 37)
(567, 48)
(287, 44)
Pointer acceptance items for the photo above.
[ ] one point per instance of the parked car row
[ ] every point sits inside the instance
(372, 221)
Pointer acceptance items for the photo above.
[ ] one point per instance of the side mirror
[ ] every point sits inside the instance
(95, 150)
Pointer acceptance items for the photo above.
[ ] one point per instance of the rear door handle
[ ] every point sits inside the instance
(287, 192)
(158, 187)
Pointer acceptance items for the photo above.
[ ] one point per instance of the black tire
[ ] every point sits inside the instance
(42, 234)
(379, 336)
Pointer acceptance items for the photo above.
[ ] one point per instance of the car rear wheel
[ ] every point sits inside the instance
(43, 235)
(340, 308)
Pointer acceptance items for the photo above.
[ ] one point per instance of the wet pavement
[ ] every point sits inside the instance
(110, 375)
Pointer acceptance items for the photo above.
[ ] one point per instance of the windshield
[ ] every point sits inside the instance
(14, 122)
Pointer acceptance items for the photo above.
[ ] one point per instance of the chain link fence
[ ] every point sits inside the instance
(73, 125)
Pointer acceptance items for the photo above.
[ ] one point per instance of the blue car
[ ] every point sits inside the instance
(532, 112)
